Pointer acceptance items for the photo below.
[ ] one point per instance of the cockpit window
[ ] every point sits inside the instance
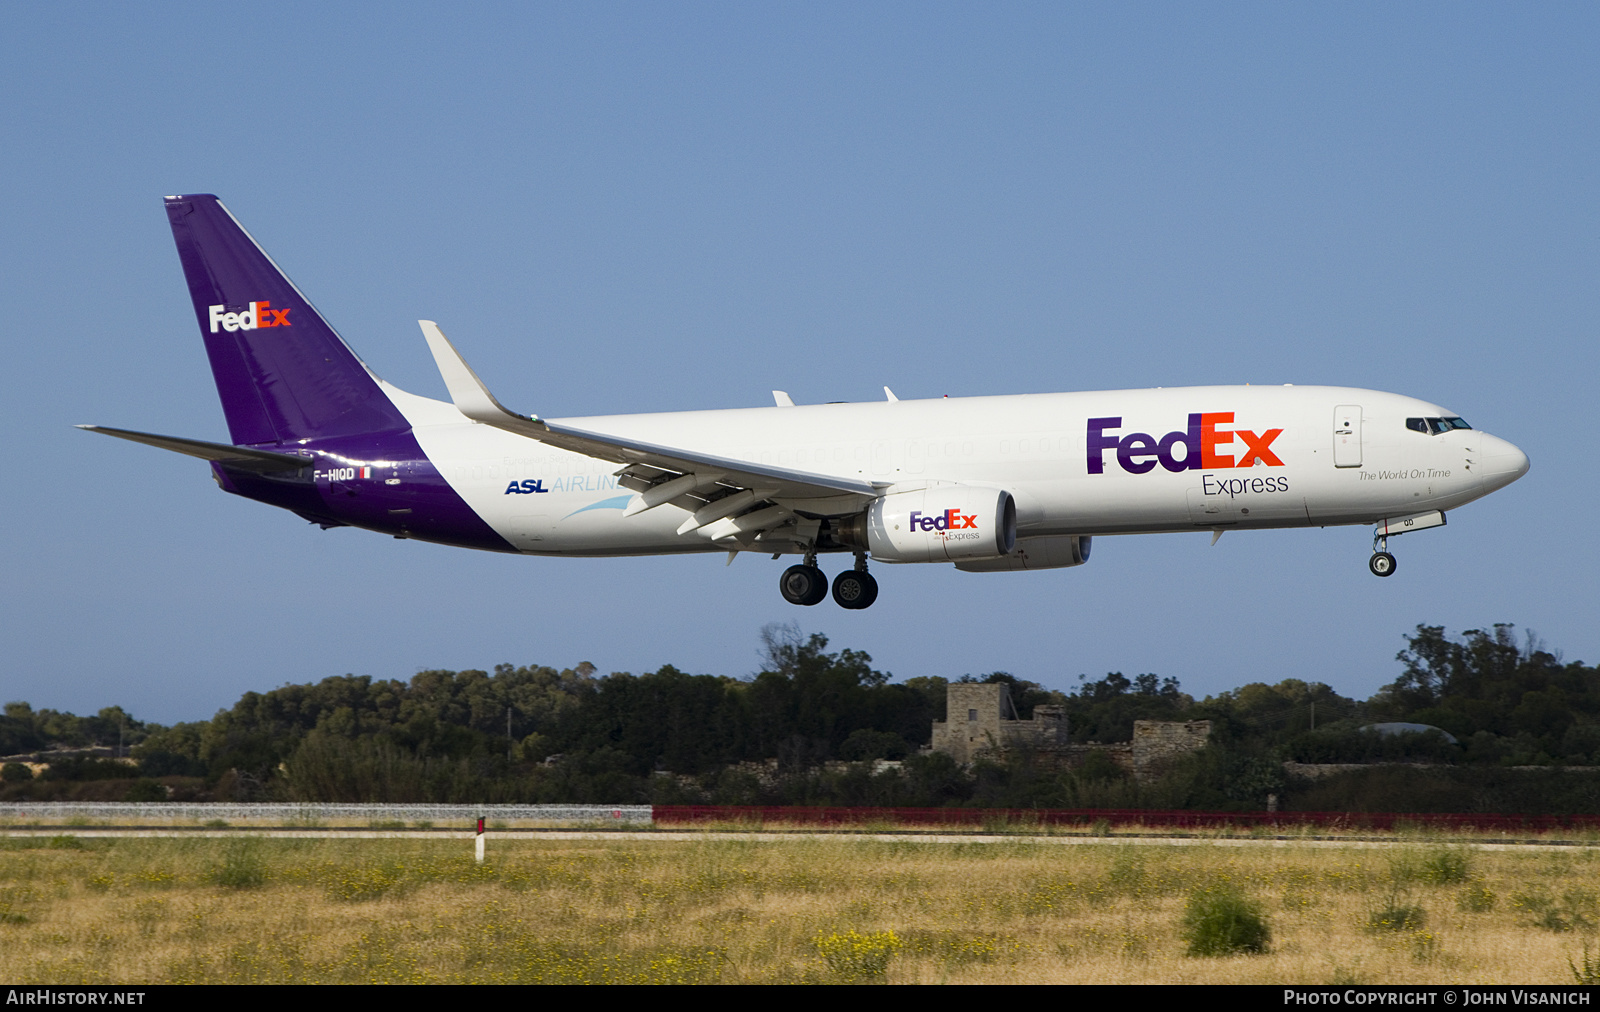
(1436, 426)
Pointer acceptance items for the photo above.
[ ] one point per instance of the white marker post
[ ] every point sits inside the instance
(480, 839)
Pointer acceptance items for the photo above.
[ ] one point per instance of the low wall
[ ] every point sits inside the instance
(59, 812)
(1018, 817)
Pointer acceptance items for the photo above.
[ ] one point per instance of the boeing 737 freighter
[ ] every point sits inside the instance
(989, 484)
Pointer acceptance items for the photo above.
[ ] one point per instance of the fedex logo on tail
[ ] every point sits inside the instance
(260, 314)
(1138, 452)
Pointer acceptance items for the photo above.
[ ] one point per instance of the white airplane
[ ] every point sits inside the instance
(990, 484)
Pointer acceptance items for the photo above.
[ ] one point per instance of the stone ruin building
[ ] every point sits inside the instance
(982, 722)
(980, 719)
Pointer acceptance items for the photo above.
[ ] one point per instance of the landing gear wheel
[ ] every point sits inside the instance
(1381, 564)
(855, 589)
(805, 585)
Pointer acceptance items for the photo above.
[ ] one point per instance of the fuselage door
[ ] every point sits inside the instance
(1347, 435)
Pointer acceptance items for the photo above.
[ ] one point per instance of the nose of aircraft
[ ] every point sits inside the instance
(1503, 463)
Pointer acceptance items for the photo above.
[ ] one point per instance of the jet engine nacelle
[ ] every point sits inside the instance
(942, 524)
(1035, 553)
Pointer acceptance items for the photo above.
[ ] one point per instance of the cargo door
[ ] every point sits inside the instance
(1347, 435)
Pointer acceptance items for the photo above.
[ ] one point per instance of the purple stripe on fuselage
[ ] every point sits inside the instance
(380, 481)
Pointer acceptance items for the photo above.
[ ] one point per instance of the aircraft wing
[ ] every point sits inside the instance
(712, 488)
(244, 458)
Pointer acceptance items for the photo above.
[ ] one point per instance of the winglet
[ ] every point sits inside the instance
(471, 397)
(782, 399)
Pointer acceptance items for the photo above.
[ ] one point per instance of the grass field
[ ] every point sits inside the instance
(248, 909)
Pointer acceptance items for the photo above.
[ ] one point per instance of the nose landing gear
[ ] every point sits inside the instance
(1381, 563)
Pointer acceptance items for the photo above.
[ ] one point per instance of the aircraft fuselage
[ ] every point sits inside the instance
(543, 500)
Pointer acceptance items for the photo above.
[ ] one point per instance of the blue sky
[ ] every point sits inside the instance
(644, 207)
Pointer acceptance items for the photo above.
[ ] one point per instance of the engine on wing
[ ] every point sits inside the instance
(1035, 553)
(939, 524)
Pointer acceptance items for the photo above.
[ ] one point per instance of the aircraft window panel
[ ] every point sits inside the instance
(1417, 425)
(1457, 423)
(1438, 426)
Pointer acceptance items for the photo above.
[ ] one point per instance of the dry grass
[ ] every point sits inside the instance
(795, 910)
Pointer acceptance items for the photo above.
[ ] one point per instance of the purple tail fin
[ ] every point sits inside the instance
(282, 372)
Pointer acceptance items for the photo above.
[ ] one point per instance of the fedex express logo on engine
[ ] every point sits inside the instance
(1138, 452)
(260, 314)
(949, 520)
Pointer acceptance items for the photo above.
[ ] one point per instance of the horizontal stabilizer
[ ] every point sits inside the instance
(242, 457)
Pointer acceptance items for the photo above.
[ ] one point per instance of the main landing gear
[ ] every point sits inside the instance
(855, 589)
(805, 584)
(1381, 563)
